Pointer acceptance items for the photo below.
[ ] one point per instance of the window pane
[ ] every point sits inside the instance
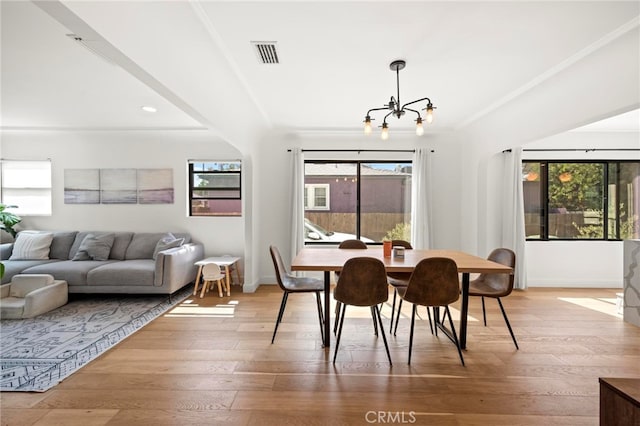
(385, 201)
(576, 200)
(624, 200)
(208, 193)
(216, 207)
(338, 223)
(27, 184)
(532, 187)
(221, 180)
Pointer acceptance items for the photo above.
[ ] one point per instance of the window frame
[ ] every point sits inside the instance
(607, 180)
(358, 181)
(231, 189)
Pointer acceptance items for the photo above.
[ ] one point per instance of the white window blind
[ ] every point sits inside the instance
(27, 184)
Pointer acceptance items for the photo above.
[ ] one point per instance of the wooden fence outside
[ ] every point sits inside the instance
(374, 225)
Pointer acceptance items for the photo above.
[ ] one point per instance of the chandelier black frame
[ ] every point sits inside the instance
(394, 107)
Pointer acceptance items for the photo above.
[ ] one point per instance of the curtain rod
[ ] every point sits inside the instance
(576, 149)
(357, 150)
(583, 149)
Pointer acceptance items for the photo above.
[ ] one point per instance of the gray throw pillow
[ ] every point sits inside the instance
(166, 242)
(95, 247)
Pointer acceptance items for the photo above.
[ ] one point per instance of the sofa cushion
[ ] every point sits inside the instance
(15, 267)
(120, 244)
(61, 244)
(139, 272)
(74, 273)
(167, 242)
(143, 245)
(32, 245)
(95, 247)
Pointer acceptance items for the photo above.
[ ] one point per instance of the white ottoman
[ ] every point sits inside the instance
(29, 295)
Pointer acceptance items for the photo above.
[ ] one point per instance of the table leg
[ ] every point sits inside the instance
(197, 282)
(464, 310)
(327, 310)
(228, 277)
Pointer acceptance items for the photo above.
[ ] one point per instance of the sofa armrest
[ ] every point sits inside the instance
(4, 290)
(45, 299)
(177, 265)
(5, 251)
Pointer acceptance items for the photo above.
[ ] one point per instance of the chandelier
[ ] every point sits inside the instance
(394, 107)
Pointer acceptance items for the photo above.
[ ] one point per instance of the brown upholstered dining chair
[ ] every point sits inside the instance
(496, 286)
(433, 283)
(398, 279)
(292, 284)
(347, 244)
(362, 282)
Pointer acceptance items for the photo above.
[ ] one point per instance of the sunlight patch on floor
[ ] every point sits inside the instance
(602, 305)
(190, 308)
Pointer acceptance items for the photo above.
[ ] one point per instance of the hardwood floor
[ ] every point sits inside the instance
(203, 364)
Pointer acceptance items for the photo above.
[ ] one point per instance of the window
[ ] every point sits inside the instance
(215, 188)
(579, 200)
(316, 197)
(356, 199)
(27, 184)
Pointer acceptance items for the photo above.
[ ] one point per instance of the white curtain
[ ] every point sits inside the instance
(421, 199)
(297, 201)
(513, 232)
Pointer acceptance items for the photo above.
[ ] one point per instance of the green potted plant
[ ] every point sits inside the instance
(8, 220)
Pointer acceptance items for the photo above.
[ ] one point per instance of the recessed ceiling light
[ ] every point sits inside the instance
(148, 108)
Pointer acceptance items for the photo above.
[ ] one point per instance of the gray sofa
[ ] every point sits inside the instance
(136, 263)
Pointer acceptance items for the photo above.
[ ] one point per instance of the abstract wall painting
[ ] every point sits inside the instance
(155, 186)
(118, 186)
(82, 186)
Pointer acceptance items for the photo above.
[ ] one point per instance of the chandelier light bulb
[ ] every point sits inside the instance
(385, 132)
(419, 127)
(367, 125)
(429, 114)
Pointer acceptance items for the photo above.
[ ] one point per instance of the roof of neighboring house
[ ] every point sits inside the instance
(347, 169)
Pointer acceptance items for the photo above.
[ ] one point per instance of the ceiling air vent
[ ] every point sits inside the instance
(266, 51)
(91, 46)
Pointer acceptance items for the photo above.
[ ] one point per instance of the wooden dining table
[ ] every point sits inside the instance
(333, 259)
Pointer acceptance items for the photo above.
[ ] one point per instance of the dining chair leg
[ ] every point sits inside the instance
(504, 314)
(413, 322)
(484, 313)
(430, 323)
(384, 337)
(335, 352)
(397, 316)
(375, 323)
(285, 295)
(436, 318)
(335, 324)
(453, 332)
(393, 308)
(320, 316)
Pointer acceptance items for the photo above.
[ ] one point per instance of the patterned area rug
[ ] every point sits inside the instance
(38, 353)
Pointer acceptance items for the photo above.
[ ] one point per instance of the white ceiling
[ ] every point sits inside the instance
(194, 60)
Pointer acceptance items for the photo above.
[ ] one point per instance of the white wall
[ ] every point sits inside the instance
(140, 149)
